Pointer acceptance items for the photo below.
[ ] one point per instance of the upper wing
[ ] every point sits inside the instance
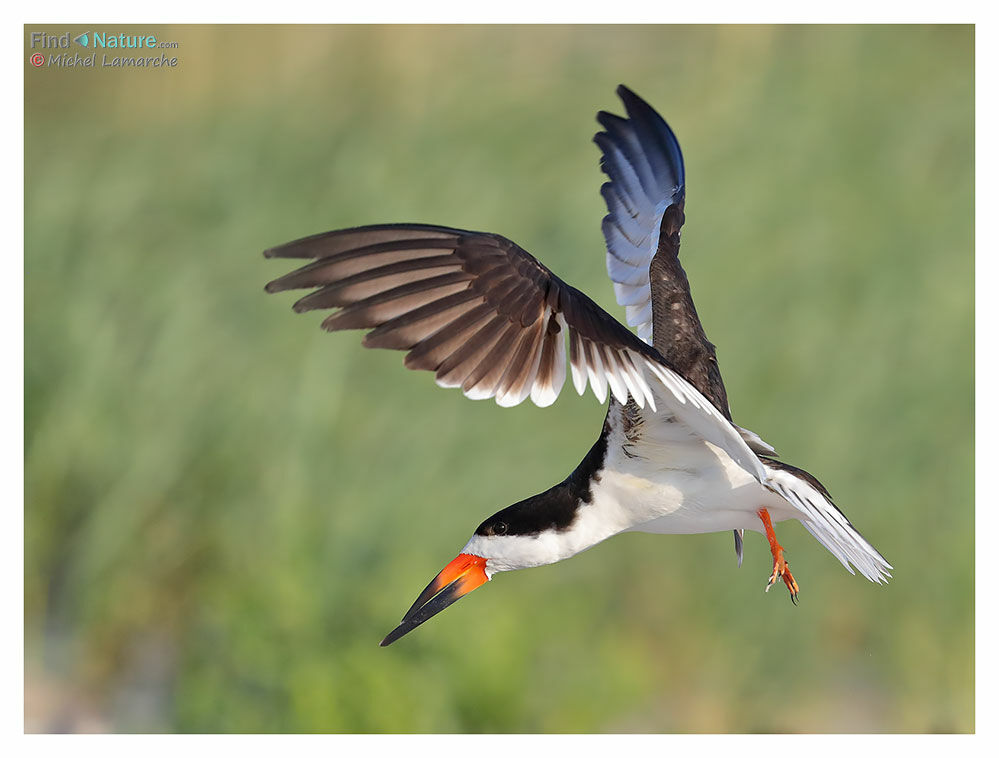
(645, 202)
(643, 160)
(486, 316)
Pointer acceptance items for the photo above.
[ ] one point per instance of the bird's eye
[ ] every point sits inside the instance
(499, 528)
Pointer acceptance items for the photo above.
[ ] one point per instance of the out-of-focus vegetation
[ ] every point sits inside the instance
(226, 508)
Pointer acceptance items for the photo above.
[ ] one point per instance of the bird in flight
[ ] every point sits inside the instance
(484, 315)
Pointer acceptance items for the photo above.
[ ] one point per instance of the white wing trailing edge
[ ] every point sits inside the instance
(485, 316)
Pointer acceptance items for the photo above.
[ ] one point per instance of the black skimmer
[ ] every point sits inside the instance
(488, 317)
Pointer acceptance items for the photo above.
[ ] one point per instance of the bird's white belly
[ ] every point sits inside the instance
(689, 500)
(673, 483)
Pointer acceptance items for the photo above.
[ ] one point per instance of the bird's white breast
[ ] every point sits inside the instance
(659, 478)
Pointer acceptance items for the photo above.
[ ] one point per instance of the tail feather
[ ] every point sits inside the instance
(826, 522)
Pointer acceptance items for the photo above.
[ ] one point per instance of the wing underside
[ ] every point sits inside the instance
(484, 315)
(642, 159)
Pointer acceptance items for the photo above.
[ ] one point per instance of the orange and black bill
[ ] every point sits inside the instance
(457, 579)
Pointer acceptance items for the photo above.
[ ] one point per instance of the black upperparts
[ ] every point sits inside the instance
(556, 508)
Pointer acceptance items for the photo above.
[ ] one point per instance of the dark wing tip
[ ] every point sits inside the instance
(648, 119)
(624, 92)
(294, 249)
(635, 105)
(608, 121)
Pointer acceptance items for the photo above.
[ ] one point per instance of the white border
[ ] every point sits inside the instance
(853, 11)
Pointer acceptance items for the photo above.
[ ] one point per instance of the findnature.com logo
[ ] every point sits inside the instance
(61, 57)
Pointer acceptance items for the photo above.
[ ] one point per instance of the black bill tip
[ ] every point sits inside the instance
(426, 611)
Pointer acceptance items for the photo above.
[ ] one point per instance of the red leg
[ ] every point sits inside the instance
(781, 567)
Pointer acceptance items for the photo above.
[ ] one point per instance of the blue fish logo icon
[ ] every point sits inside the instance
(83, 39)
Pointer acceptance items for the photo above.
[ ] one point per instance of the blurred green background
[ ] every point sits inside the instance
(226, 508)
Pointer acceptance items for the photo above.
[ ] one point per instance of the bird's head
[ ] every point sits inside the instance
(533, 532)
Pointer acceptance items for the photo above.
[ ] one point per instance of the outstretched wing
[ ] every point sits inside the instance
(645, 202)
(486, 316)
(642, 158)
